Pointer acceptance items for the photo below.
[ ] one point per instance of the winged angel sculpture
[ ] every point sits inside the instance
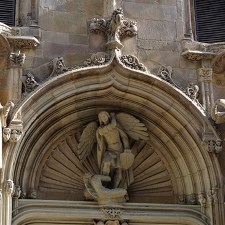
(113, 153)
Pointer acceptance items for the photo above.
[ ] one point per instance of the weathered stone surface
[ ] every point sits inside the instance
(150, 11)
(159, 45)
(157, 30)
(162, 2)
(55, 37)
(68, 22)
(160, 57)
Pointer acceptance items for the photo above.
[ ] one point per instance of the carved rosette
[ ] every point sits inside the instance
(132, 62)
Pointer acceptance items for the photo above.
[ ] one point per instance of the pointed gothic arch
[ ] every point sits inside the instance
(59, 108)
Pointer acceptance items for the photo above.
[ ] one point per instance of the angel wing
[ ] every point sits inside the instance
(132, 126)
(87, 141)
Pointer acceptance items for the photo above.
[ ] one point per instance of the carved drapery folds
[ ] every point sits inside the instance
(116, 28)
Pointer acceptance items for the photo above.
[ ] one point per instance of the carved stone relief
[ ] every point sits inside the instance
(29, 82)
(132, 62)
(218, 117)
(116, 28)
(86, 175)
(12, 130)
(114, 157)
(17, 59)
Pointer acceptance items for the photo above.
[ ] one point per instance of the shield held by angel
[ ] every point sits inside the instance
(114, 156)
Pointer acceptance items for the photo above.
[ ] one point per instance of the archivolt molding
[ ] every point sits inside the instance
(69, 101)
(88, 213)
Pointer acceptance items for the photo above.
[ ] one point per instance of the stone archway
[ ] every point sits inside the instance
(55, 113)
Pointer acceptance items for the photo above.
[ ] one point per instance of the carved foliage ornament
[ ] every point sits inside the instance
(132, 62)
(116, 28)
(29, 82)
(17, 59)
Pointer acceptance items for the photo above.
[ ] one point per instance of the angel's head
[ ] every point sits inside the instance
(103, 117)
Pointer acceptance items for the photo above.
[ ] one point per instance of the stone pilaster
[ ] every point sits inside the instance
(8, 191)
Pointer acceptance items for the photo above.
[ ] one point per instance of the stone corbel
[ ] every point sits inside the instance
(11, 131)
(212, 143)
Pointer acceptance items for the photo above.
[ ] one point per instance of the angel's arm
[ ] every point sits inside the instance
(124, 139)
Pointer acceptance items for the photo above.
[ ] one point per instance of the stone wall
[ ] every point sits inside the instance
(64, 32)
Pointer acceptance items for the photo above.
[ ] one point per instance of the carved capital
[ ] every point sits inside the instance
(202, 200)
(213, 145)
(17, 59)
(9, 187)
(17, 192)
(14, 132)
(205, 74)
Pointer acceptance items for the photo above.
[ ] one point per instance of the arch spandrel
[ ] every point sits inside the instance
(65, 104)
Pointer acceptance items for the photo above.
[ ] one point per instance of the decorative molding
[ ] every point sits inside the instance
(29, 82)
(96, 59)
(165, 73)
(116, 28)
(132, 62)
(212, 143)
(23, 41)
(112, 213)
(110, 222)
(192, 91)
(196, 55)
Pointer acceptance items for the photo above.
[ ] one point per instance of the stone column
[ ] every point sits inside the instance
(15, 74)
(8, 191)
(205, 80)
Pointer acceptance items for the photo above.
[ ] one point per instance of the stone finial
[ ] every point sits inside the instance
(116, 28)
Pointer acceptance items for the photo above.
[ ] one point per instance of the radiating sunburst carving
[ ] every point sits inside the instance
(62, 175)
